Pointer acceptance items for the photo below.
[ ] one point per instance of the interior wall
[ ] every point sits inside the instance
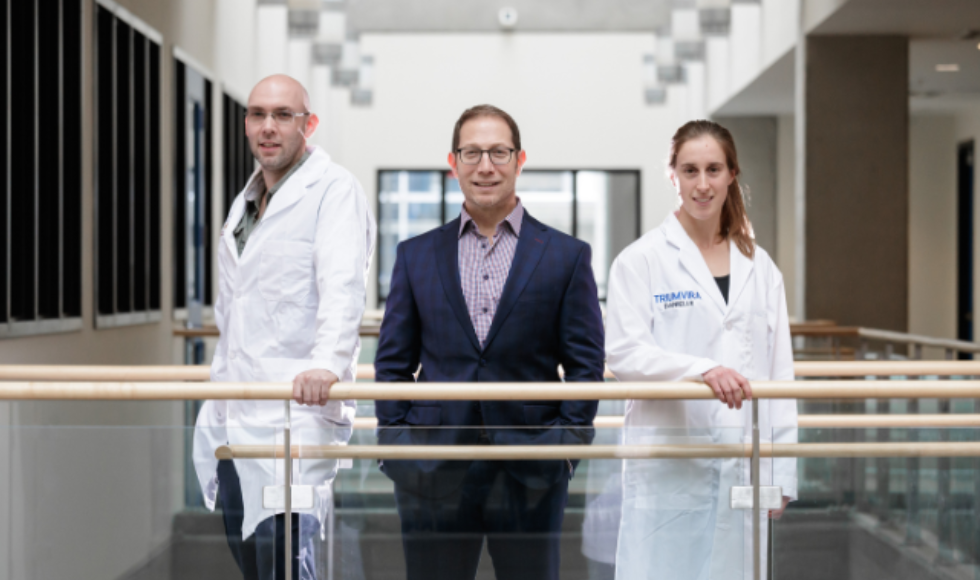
(578, 99)
(932, 231)
(51, 484)
(755, 139)
(857, 186)
(785, 255)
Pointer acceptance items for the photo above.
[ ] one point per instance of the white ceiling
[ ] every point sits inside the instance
(935, 28)
(916, 18)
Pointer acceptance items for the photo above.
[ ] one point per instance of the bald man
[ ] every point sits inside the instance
(293, 263)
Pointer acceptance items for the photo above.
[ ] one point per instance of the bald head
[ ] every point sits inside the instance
(278, 123)
(282, 89)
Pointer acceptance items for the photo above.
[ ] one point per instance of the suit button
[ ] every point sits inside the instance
(483, 362)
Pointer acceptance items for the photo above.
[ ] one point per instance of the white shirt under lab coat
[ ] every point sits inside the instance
(668, 321)
(292, 302)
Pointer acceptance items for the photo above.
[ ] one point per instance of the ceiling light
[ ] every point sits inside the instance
(947, 68)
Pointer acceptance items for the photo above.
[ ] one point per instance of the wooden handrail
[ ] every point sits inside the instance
(134, 373)
(804, 421)
(488, 391)
(552, 452)
(882, 368)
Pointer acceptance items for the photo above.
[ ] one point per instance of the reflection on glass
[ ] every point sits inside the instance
(607, 216)
(409, 203)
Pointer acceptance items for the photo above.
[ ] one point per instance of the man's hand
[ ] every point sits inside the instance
(729, 386)
(313, 387)
(776, 514)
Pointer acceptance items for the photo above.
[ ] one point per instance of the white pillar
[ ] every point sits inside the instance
(271, 39)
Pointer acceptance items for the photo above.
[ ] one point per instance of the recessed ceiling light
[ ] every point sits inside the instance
(947, 68)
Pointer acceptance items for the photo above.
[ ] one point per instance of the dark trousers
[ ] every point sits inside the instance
(256, 555)
(443, 537)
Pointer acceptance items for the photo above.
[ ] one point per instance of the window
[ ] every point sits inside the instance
(40, 167)
(127, 161)
(193, 245)
(238, 161)
(599, 207)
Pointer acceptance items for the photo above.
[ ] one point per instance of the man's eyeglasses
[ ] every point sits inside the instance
(498, 155)
(282, 117)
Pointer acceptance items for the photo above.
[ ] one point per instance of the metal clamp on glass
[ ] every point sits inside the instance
(770, 497)
(274, 497)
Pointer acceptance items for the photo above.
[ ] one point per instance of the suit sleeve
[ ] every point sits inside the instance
(631, 350)
(399, 342)
(783, 412)
(581, 338)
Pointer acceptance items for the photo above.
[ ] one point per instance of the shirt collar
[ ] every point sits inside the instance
(513, 219)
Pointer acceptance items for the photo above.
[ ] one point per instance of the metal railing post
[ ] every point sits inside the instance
(288, 492)
(943, 464)
(756, 499)
(883, 407)
(913, 535)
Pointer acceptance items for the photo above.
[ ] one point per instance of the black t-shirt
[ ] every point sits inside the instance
(722, 282)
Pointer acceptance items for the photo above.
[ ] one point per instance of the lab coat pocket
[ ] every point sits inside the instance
(286, 271)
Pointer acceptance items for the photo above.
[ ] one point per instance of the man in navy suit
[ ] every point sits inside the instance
(492, 296)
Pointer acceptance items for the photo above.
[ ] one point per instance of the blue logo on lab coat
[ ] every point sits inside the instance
(677, 299)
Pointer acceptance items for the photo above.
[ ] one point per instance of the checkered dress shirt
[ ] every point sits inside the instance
(484, 265)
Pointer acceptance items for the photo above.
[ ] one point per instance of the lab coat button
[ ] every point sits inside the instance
(728, 325)
(234, 355)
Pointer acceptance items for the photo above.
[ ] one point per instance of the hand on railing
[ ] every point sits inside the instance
(313, 387)
(729, 386)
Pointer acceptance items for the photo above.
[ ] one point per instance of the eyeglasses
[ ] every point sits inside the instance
(282, 117)
(498, 155)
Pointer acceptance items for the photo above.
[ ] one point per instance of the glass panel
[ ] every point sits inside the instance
(547, 195)
(520, 518)
(884, 517)
(96, 502)
(409, 204)
(607, 216)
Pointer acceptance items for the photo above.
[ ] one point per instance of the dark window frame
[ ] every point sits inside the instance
(47, 297)
(182, 61)
(115, 303)
(380, 299)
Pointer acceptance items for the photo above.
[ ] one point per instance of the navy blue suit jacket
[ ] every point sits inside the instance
(548, 314)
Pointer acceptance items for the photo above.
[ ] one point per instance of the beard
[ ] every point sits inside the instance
(286, 157)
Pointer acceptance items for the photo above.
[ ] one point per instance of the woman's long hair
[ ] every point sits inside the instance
(735, 225)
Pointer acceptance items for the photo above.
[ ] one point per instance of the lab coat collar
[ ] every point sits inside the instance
(692, 261)
(741, 270)
(294, 188)
(236, 212)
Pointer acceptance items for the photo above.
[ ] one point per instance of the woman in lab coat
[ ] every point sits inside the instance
(696, 299)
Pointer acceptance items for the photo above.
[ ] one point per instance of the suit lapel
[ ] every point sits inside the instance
(447, 264)
(531, 245)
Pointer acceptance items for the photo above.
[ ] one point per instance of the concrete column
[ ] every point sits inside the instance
(857, 188)
(755, 139)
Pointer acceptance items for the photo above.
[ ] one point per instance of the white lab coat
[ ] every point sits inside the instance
(292, 302)
(668, 321)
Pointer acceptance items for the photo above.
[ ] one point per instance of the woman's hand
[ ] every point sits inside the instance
(729, 386)
(776, 514)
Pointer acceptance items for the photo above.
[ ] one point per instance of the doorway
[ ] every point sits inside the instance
(964, 242)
